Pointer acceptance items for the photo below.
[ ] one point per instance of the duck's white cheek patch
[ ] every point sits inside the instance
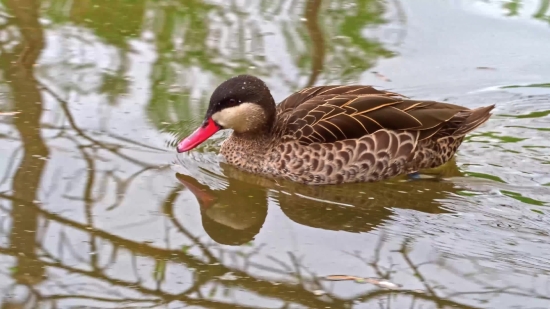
(241, 118)
(228, 117)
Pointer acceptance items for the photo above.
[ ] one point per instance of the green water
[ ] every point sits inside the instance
(97, 210)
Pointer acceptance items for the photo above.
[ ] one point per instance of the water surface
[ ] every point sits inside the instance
(97, 210)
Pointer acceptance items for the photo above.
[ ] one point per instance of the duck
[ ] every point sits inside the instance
(332, 134)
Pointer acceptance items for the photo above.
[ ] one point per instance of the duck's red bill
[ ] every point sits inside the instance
(207, 129)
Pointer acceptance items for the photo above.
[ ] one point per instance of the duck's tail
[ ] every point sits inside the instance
(473, 119)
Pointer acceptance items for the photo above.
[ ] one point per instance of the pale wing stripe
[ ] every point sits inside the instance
(328, 130)
(336, 128)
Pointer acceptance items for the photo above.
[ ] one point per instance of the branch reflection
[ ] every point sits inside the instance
(69, 187)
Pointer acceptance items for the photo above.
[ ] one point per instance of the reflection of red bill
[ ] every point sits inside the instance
(205, 199)
(202, 133)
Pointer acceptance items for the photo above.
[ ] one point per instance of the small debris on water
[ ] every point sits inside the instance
(229, 276)
(9, 113)
(386, 284)
(379, 282)
(381, 76)
(340, 277)
(319, 292)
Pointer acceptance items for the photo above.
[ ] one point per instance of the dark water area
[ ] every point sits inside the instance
(97, 210)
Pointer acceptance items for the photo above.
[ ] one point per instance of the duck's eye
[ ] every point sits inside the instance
(232, 102)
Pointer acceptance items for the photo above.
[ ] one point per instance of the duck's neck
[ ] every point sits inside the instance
(258, 140)
(259, 136)
(247, 151)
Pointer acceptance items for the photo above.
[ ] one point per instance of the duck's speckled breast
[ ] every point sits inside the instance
(374, 157)
(248, 154)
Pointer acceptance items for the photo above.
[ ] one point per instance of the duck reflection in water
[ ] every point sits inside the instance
(236, 214)
(232, 216)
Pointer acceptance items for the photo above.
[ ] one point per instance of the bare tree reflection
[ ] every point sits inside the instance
(317, 39)
(233, 41)
(58, 259)
(290, 282)
(18, 64)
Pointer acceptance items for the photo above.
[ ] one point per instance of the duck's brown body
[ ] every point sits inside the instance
(340, 134)
(374, 157)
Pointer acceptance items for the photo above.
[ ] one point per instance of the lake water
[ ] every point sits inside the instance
(97, 210)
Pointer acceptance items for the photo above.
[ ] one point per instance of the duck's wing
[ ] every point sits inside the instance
(296, 99)
(330, 117)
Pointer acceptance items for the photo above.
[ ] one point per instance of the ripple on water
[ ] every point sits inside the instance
(504, 232)
(203, 162)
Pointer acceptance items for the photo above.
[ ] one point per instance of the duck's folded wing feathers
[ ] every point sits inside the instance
(328, 118)
(305, 95)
